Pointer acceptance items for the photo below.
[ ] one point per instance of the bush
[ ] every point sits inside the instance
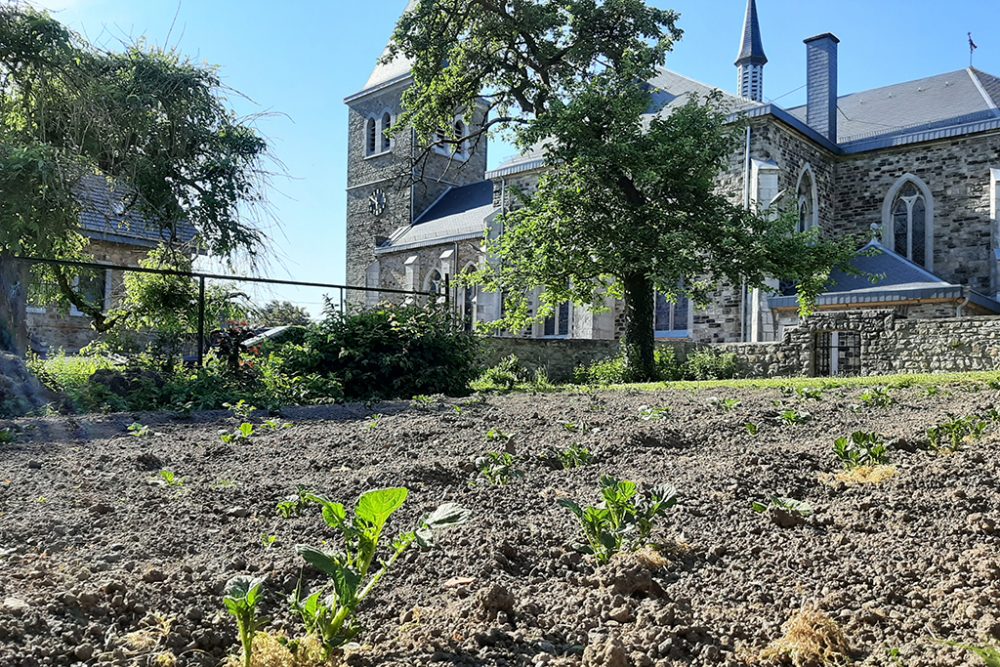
(391, 352)
(506, 375)
(612, 371)
(711, 365)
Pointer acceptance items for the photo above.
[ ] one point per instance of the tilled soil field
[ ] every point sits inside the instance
(103, 564)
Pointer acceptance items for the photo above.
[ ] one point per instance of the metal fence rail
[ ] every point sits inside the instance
(201, 277)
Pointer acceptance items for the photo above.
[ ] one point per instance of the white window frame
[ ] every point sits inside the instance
(673, 333)
(459, 152)
(888, 224)
(107, 294)
(379, 149)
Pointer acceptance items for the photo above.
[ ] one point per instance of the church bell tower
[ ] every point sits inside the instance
(751, 60)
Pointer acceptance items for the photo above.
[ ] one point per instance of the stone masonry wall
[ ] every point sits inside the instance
(889, 344)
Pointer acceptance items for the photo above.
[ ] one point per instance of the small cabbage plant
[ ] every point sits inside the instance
(861, 449)
(331, 611)
(241, 598)
(622, 519)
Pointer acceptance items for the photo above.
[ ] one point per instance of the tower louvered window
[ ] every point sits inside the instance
(386, 131)
(371, 136)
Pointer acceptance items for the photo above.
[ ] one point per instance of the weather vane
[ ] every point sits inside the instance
(972, 48)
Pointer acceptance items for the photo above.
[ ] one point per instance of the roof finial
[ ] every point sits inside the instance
(751, 59)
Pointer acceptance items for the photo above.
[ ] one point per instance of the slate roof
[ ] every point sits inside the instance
(885, 277)
(388, 72)
(460, 213)
(752, 47)
(670, 91)
(962, 96)
(99, 220)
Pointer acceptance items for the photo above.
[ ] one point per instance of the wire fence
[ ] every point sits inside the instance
(103, 283)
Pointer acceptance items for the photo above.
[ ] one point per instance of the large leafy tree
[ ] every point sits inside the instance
(629, 202)
(155, 126)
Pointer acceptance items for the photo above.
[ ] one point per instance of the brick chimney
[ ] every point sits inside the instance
(821, 84)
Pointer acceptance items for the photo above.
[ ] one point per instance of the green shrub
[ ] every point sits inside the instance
(390, 352)
(707, 364)
(507, 374)
(612, 371)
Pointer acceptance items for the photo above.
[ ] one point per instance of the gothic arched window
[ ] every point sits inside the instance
(806, 201)
(386, 127)
(371, 136)
(909, 221)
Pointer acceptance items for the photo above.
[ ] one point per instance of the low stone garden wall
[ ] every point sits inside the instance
(889, 344)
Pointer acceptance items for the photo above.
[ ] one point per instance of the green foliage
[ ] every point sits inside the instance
(614, 370)
(507, 374)
(138, 430)
(708, 364)
(422, 402)
(294, 504)
(168, 478)
(499, 468)
(622, 519)
(242, 434)
(724, 404)
(374, 421)
(877, 397)
(794, 507)
(268, 541)
(653, 414)
(752, 429)
(861, 449)
(951, 435)
(574, 456)
(153, 125)
(331, 611)
(242, 595)
(990, 655)
(794, 417)
(388, 352)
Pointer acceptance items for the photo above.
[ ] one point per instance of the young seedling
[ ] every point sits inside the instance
(7, 436)
(573, 456)
(138, 430)
(575, 427)
(932, 390)
(725, 404)
(169, 479)
(622, 519)
(752, 429)
(269, 541)
(275, 424)
(809, 393)
(241, 599)
(374, 421)
(794, 417)
(990, 655)
(242, 435)
(498, 468)
(294, 504)
(951, 436)
(877, 397)
(421, 401)
(241, 410)
(785, 512)
(861, 449)
(650, 414)
(331, 611)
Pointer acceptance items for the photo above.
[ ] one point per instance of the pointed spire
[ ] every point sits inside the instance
(397, 67)
(752, 48)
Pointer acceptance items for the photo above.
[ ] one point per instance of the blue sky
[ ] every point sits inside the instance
(298, 59)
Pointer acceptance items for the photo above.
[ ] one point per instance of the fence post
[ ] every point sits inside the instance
(201, 321)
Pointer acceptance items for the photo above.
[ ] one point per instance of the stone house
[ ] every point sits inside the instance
(914, 166)
(117, 236)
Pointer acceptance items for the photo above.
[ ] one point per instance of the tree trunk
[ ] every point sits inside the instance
(638, 341)
(13, 301)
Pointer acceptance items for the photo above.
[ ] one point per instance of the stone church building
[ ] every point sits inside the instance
(914, 166)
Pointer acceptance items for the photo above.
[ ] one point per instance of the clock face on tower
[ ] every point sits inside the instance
(376, 202)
